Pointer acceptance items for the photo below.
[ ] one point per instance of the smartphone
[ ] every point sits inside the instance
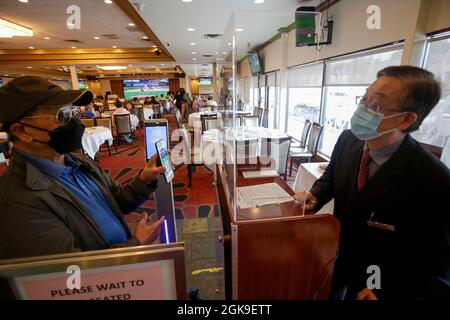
(163, 155)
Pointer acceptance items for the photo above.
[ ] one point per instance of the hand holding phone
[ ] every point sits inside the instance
(164, 157)
(151, 170)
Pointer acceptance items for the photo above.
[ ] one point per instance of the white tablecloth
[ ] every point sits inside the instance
(307, 174)
(94, 137)
(212, 142)
(194, 119)
(148, 113)
(445, 157)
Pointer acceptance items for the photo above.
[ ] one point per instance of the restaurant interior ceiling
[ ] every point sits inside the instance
(148, 37)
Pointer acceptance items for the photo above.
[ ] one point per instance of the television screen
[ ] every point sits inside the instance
(254, 62)
(1, 82)
(207, 81)
(145, 87)
(82, 85)
(305, 26)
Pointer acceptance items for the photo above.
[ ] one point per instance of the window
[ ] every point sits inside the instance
(435, 129)
(304, 97)
(273, 94)
(255, 92)
(346, 81)
(262, 91)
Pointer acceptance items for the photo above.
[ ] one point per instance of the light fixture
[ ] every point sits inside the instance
(194, 52)
(6, 75)
(131, 24)
(187, 1)
(130, 65)
(97, 38)
(108, 68)
(29, 67)
(239, 29)
(217, 52)
(192, 43)
(9, 29)
(32, 48)
(190, 29)
(162, 64)
(46, 38)
(194, 59)
(108, 1)
(23, 1)
(73, 47)
(144, 37)
(114, 47)
(224, 52)
(258, 1)
(229, 43)
(154, 46)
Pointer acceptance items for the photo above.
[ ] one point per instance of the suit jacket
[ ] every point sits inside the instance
(39, 216)
(410, 192)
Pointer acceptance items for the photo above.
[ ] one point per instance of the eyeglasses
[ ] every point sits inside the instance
(63, 116)
(375, 107)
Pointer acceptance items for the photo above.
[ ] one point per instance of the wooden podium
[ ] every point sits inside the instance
(274, 251)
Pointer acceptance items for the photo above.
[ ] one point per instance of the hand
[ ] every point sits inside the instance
(151, 170)
(306, 199)
(148, 233)
(366, 294)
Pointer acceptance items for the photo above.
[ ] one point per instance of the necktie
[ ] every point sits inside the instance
(363, 173)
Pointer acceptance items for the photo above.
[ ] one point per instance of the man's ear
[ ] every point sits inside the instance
(18, 130)
(408, 121)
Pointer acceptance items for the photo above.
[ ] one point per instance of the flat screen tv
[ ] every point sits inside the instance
(205, 81)
(145, 87)
(82, 85)
(255, 64)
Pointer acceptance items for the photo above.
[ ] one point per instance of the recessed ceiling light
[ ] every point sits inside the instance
(23, 1)
(31, 48)
(194, 59)
(192, 43)
(190, 29)
(6, 75)
(154, 46)
(108, 1)
(46, 38)
(114, 47)
(258, 1)
(144, 37)
(23, 75)
(131, 24)
(29, 67)
(194, 52)
(130, 65)
(229, 43)
(112, 67)
(224, 52)
(186, 0)
(97, 38)
(239, 29)
(217, 52)
(73, 47)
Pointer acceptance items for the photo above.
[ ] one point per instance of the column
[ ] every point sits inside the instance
(283, 81)
(74, 77)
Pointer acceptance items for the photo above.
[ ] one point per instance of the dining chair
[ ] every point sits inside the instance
(310, 151)
(88, 122)
(278, 150)
(205, 109)
(123, 125)
(107, 123)
(211, 123)
(251, 121)
(204, 117)
(190, 155)
(265, 118)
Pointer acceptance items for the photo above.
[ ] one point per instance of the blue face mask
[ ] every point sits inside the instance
(365, 122)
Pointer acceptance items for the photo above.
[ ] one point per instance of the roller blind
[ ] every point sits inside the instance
(306, 76)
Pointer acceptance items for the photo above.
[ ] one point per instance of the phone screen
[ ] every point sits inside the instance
(165, 159)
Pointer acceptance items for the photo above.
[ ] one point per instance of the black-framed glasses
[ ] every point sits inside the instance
(375, 107)
(63, 115)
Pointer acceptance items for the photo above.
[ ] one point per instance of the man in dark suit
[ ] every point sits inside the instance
(391, 195)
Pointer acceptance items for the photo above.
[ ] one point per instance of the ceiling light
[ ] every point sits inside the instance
(258, 1)
(131, 24)
(31, 48)
(224, 52)
(154, 46)
(229, 43)
(192, 43)
(108, 1)
(23, 1)
(190, 29)
(144, 37)
(114, 47)
(28, 67)
(46, 38)
(73, 47)
(194, 59)
(112, 67)
(130, 65)
(6, 75)
(9, 29)
(239, 29)
(162, 64)
(186, 1)
(217, 52)
(194, 52)
(97, 38)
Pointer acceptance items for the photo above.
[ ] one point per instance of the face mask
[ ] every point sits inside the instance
(364, 123)
(66, 138)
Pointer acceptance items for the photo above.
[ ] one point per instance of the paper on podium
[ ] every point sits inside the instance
(261, 195)
(260, 174)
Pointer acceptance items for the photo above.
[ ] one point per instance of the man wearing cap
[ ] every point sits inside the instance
(52, 199)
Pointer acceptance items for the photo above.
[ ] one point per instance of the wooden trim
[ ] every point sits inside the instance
(136, 18)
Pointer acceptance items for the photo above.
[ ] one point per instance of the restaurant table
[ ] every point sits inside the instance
(94, 137)
(212, 141)
(194, 119)
(148, 113)
(274, 251)
(307, 174)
